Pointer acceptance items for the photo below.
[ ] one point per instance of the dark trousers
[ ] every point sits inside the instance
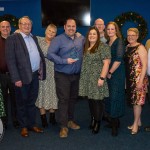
(25, 98)
(67, 87)
(8, 90)
(96, 109)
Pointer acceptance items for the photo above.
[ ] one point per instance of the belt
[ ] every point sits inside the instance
(67, 74)
(35, 73)
(6, 73)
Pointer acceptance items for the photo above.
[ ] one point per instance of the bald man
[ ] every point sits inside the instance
(99, 23)
(5, 81)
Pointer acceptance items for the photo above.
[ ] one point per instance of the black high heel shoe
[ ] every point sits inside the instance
(115, 126)
(96, 127)
(91, 126)
(109, 125)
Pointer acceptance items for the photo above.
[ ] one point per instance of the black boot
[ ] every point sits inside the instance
(118, 123)
(114, 127)
(91, 126)
(106, 117)
(109, 125)
(52, 118)
(44, 121)
(96, 127)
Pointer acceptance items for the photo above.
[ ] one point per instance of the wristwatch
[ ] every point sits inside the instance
(101, 78)
(110, 73)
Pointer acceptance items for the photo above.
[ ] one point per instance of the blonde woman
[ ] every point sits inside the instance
(136, 79)
(47, 99)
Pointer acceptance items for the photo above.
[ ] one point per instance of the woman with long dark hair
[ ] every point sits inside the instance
(93, 85)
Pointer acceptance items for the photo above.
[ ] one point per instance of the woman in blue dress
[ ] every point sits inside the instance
(115, 104)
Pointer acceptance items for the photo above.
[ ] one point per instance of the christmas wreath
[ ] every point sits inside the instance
(12, 19)
(135, 18)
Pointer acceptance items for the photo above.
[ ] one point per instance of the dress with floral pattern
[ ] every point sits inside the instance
(133, 72)
(47, 98)
(90, 73)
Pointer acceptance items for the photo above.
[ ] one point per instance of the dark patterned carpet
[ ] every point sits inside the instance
(82, 139)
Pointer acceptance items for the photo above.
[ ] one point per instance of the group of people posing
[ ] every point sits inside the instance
(51, 72)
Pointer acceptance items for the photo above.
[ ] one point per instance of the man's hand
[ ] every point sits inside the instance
(78, 34)
(18, 84)
(71, 61)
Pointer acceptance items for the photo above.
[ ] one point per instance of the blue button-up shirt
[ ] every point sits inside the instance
(33, 51)
(63, 47)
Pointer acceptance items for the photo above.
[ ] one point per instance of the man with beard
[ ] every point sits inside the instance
(66, 53)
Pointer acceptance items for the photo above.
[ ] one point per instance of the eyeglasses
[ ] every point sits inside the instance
(131, 35)
(26, 24)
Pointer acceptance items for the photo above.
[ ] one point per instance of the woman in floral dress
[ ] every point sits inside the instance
(47, 99)
(93, 85)
(136, 79)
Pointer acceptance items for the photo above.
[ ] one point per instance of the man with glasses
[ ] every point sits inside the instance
(24, 58)
(5, 80)
(66, 53)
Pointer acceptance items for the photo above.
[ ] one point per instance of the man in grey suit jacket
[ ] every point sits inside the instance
(25, 61)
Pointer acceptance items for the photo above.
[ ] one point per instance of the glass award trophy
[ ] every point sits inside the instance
(74, 55)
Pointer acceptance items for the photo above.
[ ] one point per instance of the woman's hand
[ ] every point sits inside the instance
(139, 85)
(100, 82)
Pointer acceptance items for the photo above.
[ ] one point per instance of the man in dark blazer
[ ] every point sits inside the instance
(25, 62)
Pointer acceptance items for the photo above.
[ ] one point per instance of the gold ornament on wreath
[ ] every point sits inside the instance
(136, 19)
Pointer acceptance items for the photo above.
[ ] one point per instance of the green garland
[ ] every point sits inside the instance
(12, 19)
(137, 19)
